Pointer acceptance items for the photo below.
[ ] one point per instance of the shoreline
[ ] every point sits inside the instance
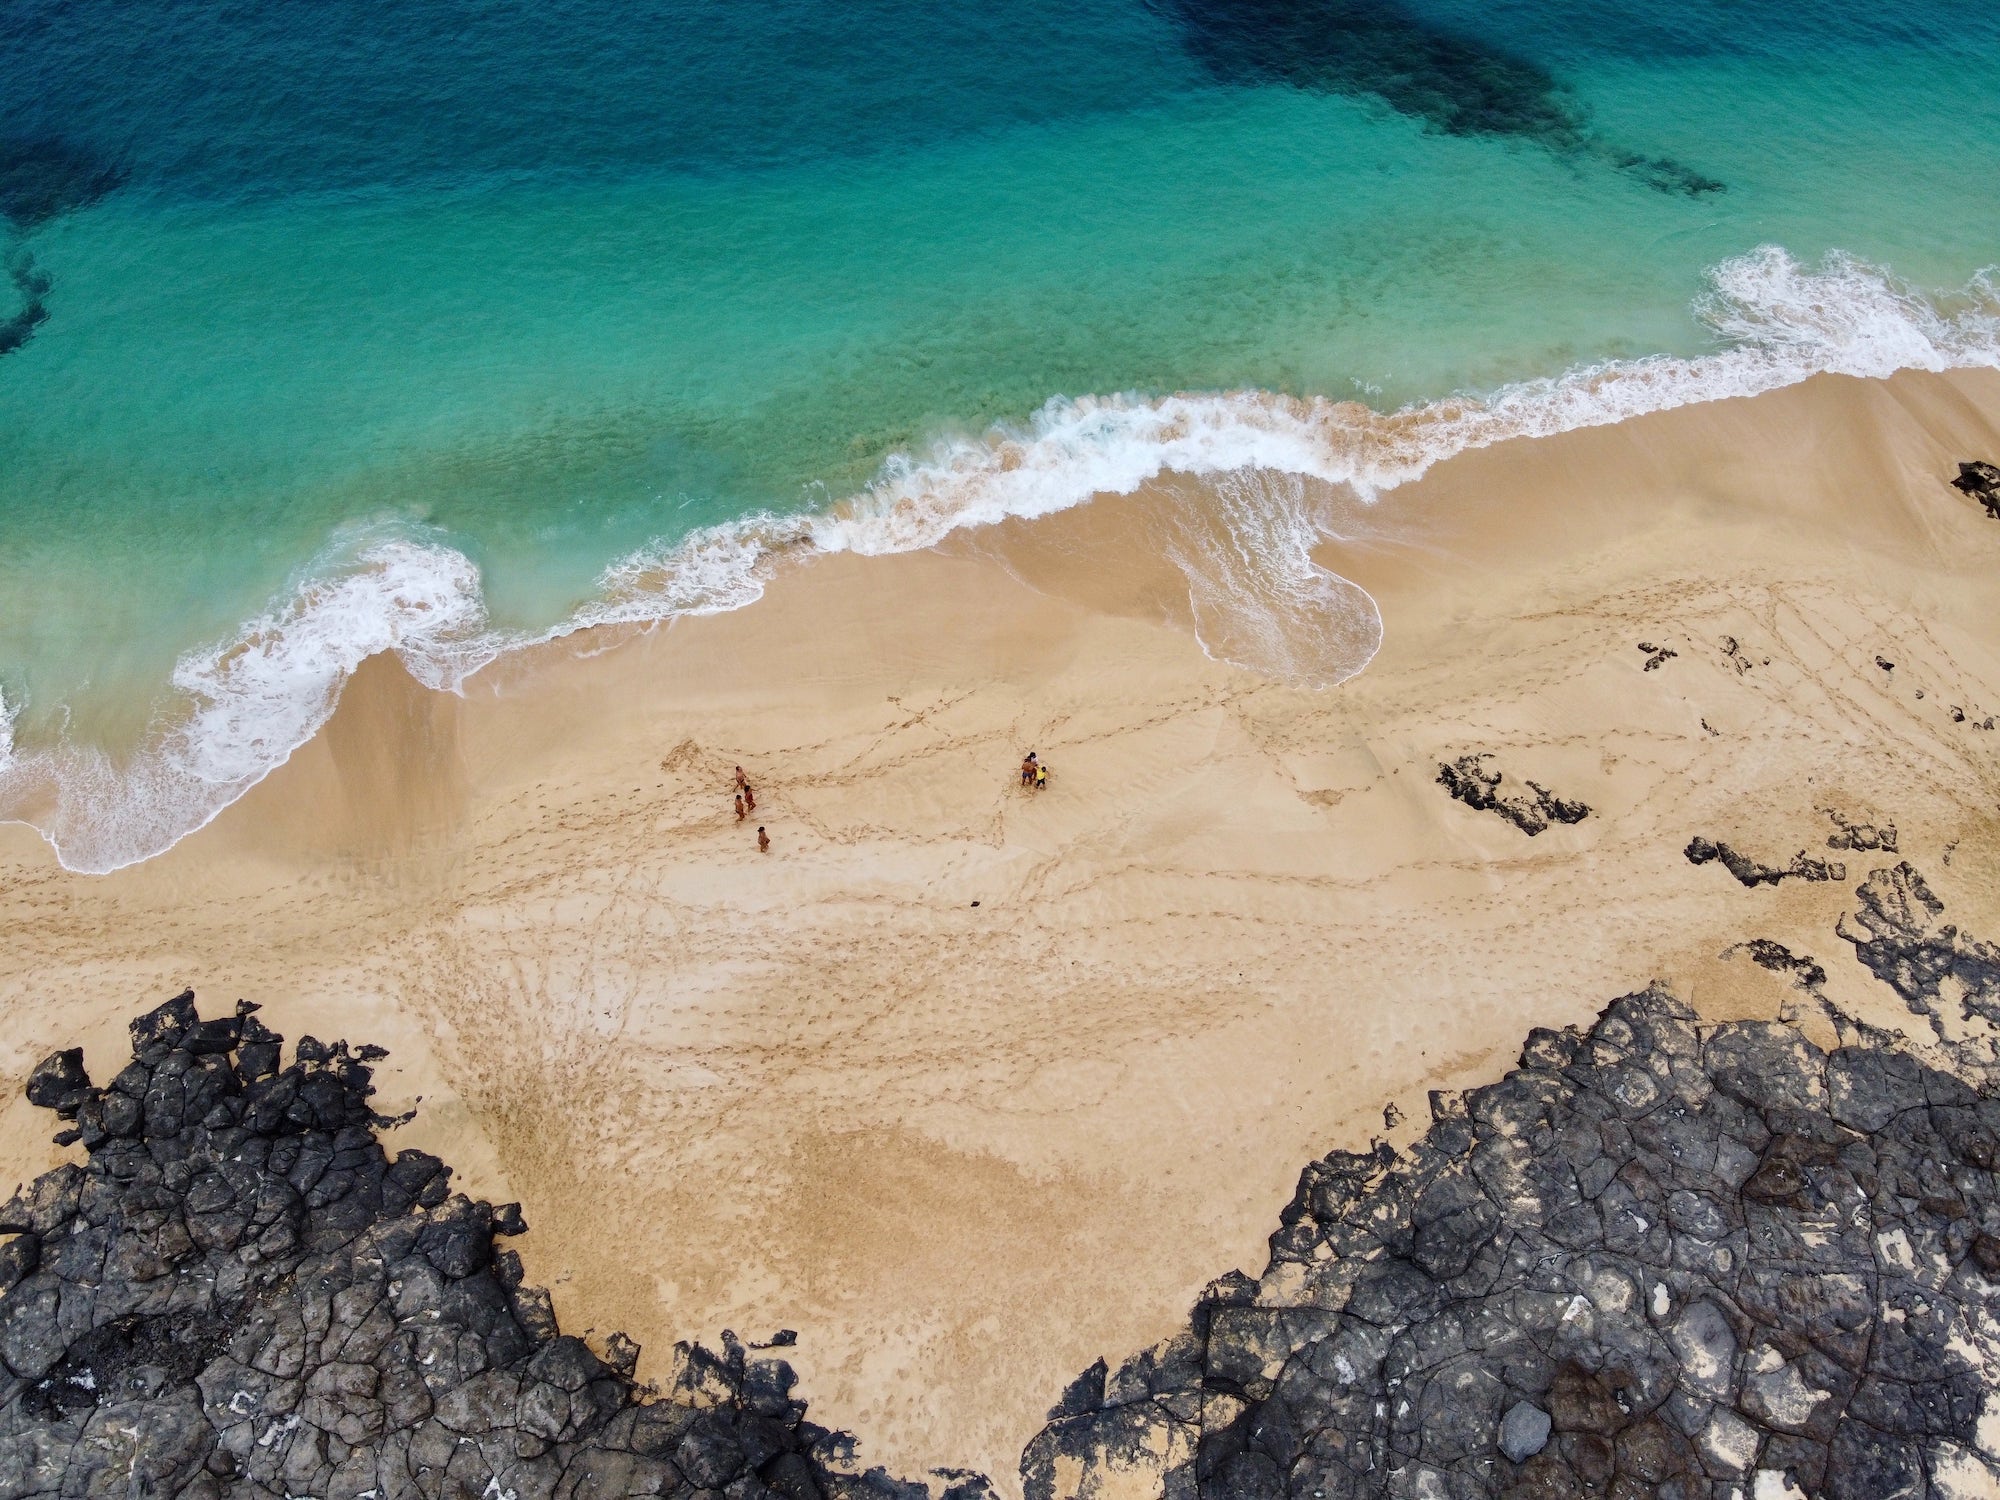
(244, 704)
(1242, 920)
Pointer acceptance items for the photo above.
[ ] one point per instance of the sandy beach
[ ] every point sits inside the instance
(970, 1085)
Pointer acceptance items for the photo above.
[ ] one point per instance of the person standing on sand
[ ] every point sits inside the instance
(1028, 769)
(742, 781)
(741, 811)
(749, 797)
(763, 840)
(1041, 776)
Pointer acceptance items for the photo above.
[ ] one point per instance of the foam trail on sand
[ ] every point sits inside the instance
(1258, 599)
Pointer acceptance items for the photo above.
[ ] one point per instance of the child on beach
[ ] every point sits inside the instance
(1041, 776)
(763, 841)
(741, 811)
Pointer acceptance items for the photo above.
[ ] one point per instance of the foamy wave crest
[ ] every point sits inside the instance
(1257, 597)
(247, 704)
(1780, 323)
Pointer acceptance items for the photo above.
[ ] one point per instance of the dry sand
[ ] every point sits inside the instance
(964, 1149)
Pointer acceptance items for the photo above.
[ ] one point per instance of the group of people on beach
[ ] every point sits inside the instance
(746, 804)
(1034, 775)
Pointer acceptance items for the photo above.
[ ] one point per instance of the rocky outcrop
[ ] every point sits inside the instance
(1982, 482)
(1473, 780)
(1658, 1259)
(239, 1293)
(1862, 838)
(1949, 979)
(1748, 872)
(1656, 656)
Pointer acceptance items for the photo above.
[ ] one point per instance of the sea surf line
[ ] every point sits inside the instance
(241, 707)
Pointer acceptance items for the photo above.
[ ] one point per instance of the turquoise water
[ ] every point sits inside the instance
(542, 289)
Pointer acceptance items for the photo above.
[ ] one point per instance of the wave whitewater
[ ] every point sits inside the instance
(1258, 598)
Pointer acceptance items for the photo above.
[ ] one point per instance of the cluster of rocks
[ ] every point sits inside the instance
(1982, 482)
(1737, 657)
(1659, 1259)
(1749, 872)
(1471, 779)
(1656, 656)
(239, 1293)
(1861, 838)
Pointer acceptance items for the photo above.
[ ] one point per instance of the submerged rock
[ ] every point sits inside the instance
(1447, 77)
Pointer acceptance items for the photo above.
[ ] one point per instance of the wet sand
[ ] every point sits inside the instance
(965, 1149)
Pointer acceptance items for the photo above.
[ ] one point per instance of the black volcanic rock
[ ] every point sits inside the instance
(1896, 932)
(1981, 481)
(1749, 872)
(1862, 838)
(239, 1293)
(1473, 780)
(1657, 1260)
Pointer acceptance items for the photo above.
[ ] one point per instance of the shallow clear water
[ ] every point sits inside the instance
(551, 285)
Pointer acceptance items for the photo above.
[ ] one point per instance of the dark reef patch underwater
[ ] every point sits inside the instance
(1453, 82)
(1660, 1258)
(41, 180)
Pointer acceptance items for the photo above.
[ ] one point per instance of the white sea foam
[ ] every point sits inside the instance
(1257, 597)
(7, 714)
(245, 705)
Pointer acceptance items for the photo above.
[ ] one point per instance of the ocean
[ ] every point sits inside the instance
(330, 329)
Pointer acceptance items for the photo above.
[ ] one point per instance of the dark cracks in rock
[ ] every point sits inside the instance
(1660, 1259)
(1748, 872)
(1981, 481)
(239, 1293)
(1471, 780)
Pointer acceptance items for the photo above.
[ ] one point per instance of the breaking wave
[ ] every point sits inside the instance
(1258, 599)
